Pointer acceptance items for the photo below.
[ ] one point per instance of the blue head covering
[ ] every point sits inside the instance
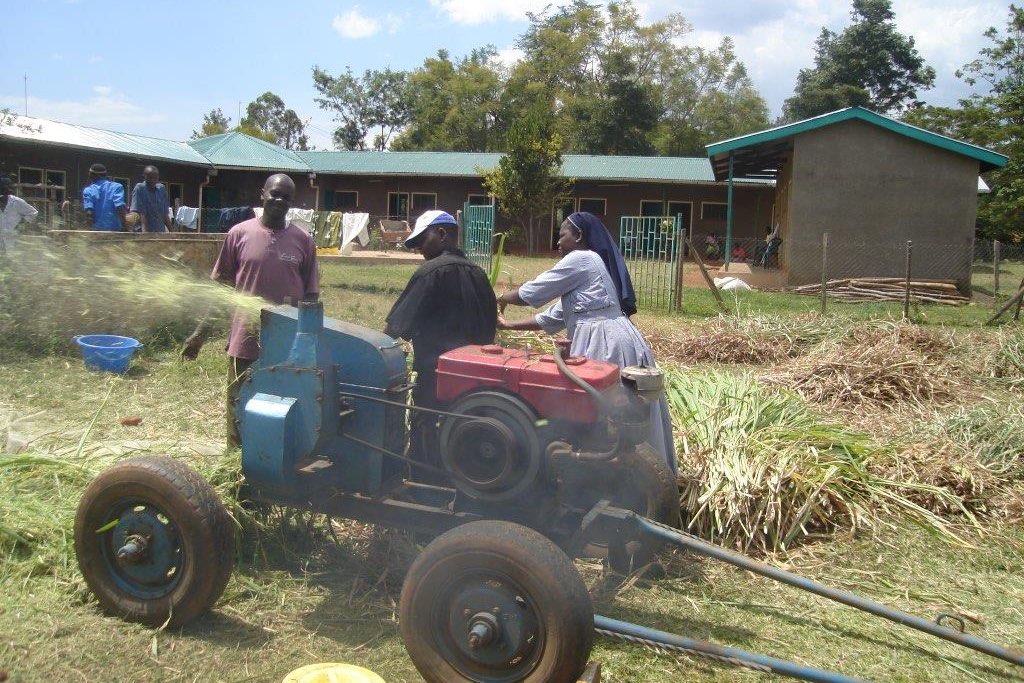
(600, 241)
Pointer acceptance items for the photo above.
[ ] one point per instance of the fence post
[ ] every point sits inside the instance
(997, 248)
(824, 270)
(906, 294)
(680, 260)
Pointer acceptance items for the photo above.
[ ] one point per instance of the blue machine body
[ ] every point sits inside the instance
(290, 410)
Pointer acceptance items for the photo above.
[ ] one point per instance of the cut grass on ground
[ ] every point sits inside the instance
(299, 596)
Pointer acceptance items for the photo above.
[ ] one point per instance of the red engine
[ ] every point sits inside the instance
(512, 414)
(533, 377)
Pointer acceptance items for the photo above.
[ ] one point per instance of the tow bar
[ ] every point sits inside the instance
(627, 524)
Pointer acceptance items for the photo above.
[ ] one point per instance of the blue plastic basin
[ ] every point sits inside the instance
(107, 352)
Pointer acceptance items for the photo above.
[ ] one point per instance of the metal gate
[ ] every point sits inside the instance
(478, 234)
(652, 247)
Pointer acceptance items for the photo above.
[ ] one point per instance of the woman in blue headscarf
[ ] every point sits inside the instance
(595, 298)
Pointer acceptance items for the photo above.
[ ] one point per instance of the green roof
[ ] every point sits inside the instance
(470, 164)
(719, 151)
(29, 129)
(239, 150)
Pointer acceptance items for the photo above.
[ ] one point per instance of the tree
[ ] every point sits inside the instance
(268, 115)
(454, 105)
(708, 96)
(625, 87)
(869, 64)
(377, 101)
(528, 177)
(993, 118)
(214, 123)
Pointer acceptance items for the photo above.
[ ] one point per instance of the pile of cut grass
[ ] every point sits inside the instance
(1007, 362)
(754, 340)
(760, 471)
(49, 293)
(881, 365)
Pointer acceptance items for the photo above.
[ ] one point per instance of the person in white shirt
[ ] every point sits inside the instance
(13, 210)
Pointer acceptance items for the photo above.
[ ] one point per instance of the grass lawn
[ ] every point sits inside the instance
(300, 594)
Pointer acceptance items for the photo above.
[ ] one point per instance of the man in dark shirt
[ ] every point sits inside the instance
(448, 303)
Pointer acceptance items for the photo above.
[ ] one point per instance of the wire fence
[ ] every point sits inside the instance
(903, 273)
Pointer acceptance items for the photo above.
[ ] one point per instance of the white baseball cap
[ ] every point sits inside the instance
(428, 218)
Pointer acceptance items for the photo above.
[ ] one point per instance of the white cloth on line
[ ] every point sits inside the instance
(303, 218)
(187, 217)
(354, 226)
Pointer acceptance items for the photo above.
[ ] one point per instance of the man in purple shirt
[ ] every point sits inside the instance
(268, 257)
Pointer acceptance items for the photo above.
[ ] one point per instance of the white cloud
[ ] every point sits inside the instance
(102, 89)
(472, 12)
(354, 24)
(509, 56)
(393, 22)
(95, 59)
(101, 111)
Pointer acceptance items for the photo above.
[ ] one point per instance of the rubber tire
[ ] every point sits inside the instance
(646, 471)
(537, 565)
(204, 525)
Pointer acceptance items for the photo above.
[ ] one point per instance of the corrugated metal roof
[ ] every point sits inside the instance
(463, 164)
(987, 158)
(470, 165)
(243, 151)
(49, 132)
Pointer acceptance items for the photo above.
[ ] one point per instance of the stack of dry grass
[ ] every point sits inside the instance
(883, 365)
(888, 289)
(752, 340)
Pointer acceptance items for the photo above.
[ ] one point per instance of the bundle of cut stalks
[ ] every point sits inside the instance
(884, 366)
(888, 289)
(760, 471)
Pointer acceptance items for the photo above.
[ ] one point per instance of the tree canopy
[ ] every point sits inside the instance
(376, 102)
(870, 63)
(613, 85)
(992, 118)
(268, 118)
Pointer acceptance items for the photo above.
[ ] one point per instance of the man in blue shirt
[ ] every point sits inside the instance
(103, 200)
(149, 200)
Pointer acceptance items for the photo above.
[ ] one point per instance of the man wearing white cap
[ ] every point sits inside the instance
(448, 303)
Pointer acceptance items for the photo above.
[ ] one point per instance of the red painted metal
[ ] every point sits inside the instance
(534, 377)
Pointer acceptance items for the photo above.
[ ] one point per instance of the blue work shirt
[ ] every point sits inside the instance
(103, 197)
(152, 204)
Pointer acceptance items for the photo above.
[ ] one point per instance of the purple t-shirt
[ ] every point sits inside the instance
(272, 264)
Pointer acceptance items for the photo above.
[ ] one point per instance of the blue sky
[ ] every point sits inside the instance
(155, 68)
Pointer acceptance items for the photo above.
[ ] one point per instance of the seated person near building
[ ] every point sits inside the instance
(712, 246)
(739, 253)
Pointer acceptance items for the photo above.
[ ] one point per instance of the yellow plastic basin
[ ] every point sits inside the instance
(332, 673)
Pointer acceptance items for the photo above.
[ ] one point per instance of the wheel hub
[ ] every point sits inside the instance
(143, 550)
(492, 629)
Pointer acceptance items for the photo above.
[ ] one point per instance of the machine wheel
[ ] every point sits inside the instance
(153, 541)
(496, 602)
(496, 457)
(644, 484)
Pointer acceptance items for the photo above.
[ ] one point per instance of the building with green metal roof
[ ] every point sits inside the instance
(50, 161)
(871, 184)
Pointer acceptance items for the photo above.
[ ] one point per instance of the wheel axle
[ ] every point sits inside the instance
(133, 550)
(484, 629)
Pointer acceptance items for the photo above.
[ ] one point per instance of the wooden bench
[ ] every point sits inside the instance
(393, 232)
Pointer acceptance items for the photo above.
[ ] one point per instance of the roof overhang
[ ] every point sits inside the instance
(758, 154)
